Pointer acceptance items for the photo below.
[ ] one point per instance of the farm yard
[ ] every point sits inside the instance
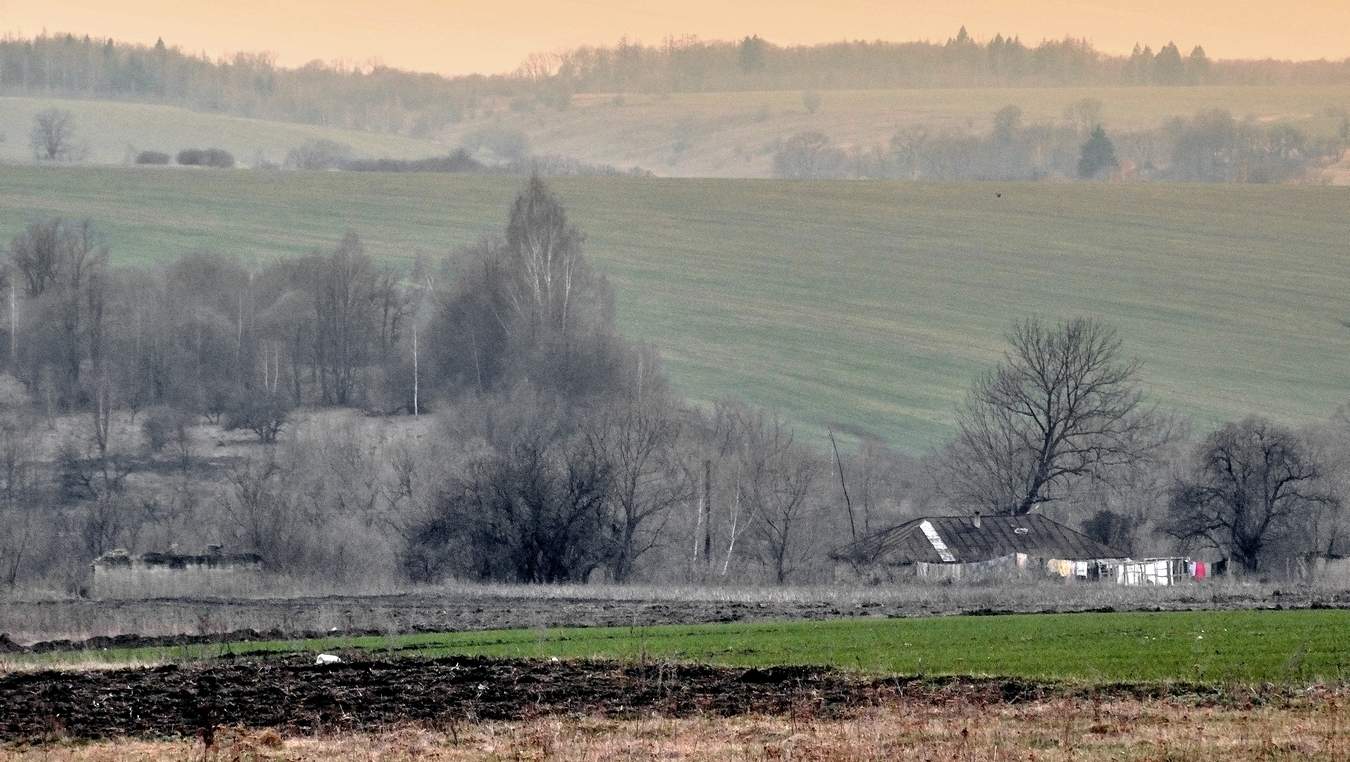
(866, 306)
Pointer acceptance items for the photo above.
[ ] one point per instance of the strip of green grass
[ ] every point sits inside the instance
(1290, 647)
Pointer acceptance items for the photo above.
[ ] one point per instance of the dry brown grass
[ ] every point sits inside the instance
(1060, 729)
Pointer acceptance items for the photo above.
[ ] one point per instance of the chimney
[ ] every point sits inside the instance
(977, 519)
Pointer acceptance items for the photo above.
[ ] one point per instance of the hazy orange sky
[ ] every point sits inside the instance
(455, 37)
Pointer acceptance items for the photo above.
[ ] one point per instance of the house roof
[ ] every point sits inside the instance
(957, 539)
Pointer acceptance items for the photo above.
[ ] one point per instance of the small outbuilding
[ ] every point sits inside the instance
(117, 574)
(977, 548)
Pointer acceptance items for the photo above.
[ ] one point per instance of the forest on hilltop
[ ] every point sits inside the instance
(384, 99)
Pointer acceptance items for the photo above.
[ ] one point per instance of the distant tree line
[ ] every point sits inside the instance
(753, 63)
(378, 99)
(1212, 146)
(483, 418)
(389, 100)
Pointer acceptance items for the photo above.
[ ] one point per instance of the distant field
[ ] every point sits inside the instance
(679, 135)
(1285, 647)
(733, 134)
(866, 304)
(111, 129)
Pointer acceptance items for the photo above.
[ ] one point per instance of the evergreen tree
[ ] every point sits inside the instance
(750, 54)
(1197, 66)
(1168, 68)
(1098, 156)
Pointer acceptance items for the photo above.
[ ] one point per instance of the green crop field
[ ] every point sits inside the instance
(871, 305)
(1214, 647)
(110, 130)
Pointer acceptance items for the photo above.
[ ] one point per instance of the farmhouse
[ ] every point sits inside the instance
(117, 574)
(978, 547)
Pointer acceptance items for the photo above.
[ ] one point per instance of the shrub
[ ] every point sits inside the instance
(504, 143)
(263, 414)
(459, 161)
(319, 155)
(809, 156)
(152, 157)
(165, 425)
(811, 101)
(217, 158)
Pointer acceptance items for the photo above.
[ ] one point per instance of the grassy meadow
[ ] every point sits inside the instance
(110, 130)
(1232, 647)
(865, 305)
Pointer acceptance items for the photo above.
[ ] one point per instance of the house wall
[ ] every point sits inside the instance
(1014, 566)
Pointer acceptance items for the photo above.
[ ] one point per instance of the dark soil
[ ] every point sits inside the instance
(295, 695)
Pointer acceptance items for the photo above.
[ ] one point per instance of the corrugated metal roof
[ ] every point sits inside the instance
(964, 542)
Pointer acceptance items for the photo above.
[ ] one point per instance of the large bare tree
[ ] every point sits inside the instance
(53, 135)
(636, 438)
(1061, 405)
(778, 487)
(1253, 481)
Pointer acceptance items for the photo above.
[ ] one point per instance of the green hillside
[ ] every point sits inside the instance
(870, 304)
(109, 129)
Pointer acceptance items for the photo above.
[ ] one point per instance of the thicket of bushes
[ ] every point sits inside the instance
(216, 158)
(153, 158)
(1212, 146)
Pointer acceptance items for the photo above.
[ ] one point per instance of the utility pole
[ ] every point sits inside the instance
(13, 328)
(849, 503)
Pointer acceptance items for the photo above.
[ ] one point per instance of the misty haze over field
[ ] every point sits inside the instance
(649, 340)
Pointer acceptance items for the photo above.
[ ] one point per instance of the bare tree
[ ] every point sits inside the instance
(809, 156)
(637, 439)
(777, 483)
(18, 486)
(53, 135)
(265, 518)
(1253, 482)
(1061, 405)
(542, 268)
(530, 507)
(1084, 114)
(538, 67)
(345, 306)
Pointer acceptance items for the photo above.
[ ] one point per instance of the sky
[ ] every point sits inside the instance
(456, 37)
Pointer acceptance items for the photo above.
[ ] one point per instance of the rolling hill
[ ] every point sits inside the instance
(871, 305)
(730, 134)
(734, 134)
(113, 129)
